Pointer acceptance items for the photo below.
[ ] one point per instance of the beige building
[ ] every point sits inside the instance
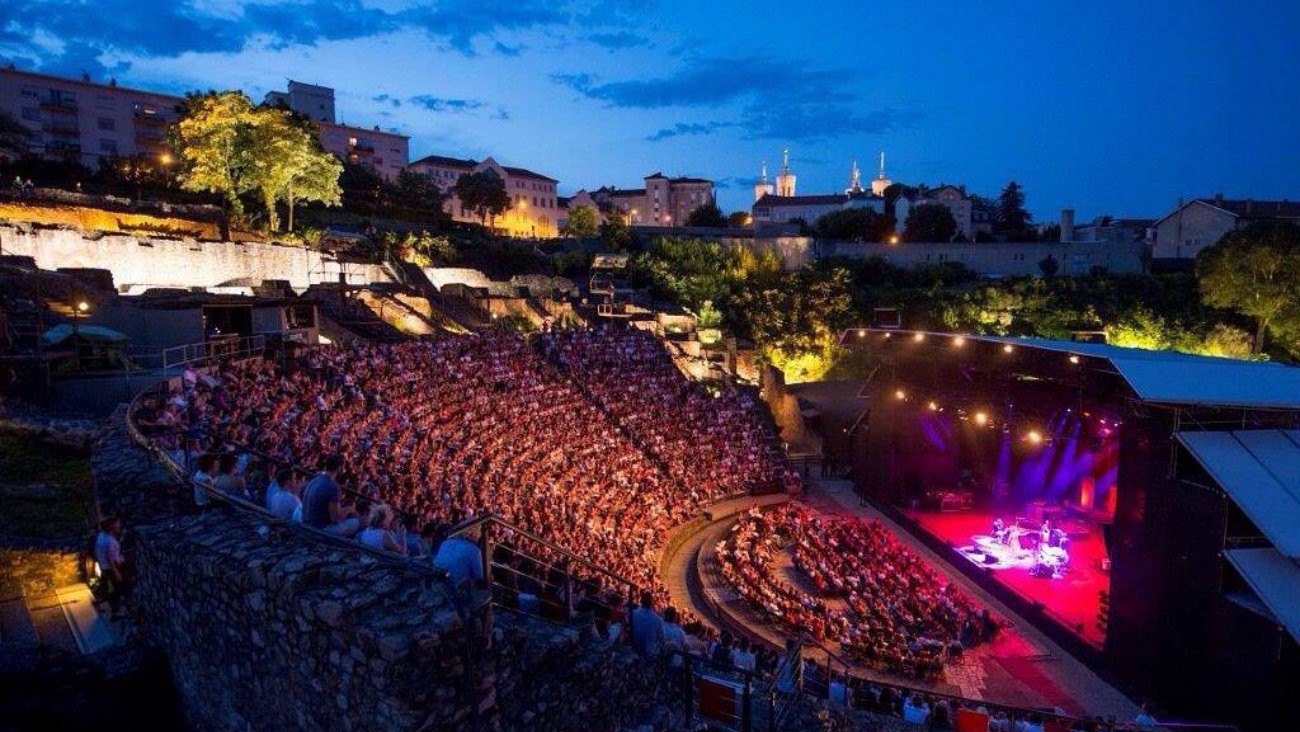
(1201, 222)
(534, 207)
(85, 122)
(384, 152)
(663, 201)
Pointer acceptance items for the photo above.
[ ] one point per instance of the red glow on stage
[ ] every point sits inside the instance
(1073, 600)
(1087, 490)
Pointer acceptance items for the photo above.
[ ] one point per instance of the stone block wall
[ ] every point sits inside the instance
(266, 628)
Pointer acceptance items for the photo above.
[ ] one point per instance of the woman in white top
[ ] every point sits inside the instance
(379, 533)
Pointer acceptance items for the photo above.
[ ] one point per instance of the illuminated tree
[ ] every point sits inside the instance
(1255, 271)
(212, 141)
(583, 221)
(288, 165)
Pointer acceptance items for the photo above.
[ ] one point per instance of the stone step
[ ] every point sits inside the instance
(51, 624)
(16, 627)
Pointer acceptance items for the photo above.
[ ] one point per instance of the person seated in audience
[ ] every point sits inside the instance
(321, 505)
(284, 502)
(379, 532)
(227, 481)
(202, 478)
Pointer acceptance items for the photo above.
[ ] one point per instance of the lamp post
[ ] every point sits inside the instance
(81, 309)
(165, 160)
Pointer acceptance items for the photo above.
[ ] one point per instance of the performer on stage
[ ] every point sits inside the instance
(1045, 533)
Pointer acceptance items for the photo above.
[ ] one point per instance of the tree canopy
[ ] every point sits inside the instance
(484, 193)
(1012, 218)
(583, 221)
(1256, 272)
(13, 137)
(738, 219)
(708, 216)
(931, 222)
(229, 147)
(857, 223)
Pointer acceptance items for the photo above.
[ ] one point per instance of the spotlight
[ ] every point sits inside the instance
(933, 407)
(888, 334)
(918, 337)
(1035, 437)
(959, 341)
(1008, 348)
(861, 333)
(1074, 359)
(981, 419)
(900, 395)
(83, 306)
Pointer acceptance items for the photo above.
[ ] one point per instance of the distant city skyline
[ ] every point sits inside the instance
(1118, 111)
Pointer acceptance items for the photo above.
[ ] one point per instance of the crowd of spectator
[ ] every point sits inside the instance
(437, 431)
(867, 592)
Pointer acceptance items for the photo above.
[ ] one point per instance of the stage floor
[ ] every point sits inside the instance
(1074, 598)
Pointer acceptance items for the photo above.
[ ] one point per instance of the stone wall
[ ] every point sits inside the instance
(266, 628)
(176, 262)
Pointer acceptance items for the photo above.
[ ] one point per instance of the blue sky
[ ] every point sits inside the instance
(1110, 108)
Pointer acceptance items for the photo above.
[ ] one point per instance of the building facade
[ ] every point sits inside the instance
(1199, 223)
(776, 211)
(384, 152)
(85, 122)
(534, 207)
(971, 219)
(663, 201)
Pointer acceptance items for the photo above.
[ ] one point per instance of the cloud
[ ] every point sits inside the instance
(169, 28)
(618, 40)
(387, 99)
(438, 104)
(770, 99)
(688, 128)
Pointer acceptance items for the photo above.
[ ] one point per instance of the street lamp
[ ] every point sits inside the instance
(81, 309)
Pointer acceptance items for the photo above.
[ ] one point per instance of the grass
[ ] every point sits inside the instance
(46, 491)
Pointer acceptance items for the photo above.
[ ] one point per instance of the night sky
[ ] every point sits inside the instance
(1110, 108)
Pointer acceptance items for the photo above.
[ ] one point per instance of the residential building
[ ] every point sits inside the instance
(972, 220)
(663, 201)
(1196, 224)
(1105, 229)
(534, 207)
(86, 122)
(568, 203)
(773, 212)
(384, 152)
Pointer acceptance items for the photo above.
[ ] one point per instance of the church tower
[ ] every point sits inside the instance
(855, 180)
(785, 181)
(879, 185)
(762, 187)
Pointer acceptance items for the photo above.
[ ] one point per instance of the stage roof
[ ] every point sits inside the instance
(1184, 378)
(1275, 579)
(1260, 471)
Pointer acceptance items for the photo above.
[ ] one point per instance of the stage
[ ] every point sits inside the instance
(1072, 597)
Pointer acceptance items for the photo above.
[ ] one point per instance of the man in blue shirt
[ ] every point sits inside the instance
(647, 628)
(460, 557)
(320, 502)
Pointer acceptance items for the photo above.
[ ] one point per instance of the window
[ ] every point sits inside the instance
(32, 114)
(107, 124)
(30, 92)
(108, 147)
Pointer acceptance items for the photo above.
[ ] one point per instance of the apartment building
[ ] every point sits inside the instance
(534, 207)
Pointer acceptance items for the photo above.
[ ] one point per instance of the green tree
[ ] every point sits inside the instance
(739, 219)
(13, 137)
(931, 222)
(708, 216)
(212, 140)
(1012, 218)
(484, 193)
(364, 190)
(417, 193)
(1255, 271)
(1049, 266)
(583, 221)
(287, 164)
(614, 232)
(857, 223)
